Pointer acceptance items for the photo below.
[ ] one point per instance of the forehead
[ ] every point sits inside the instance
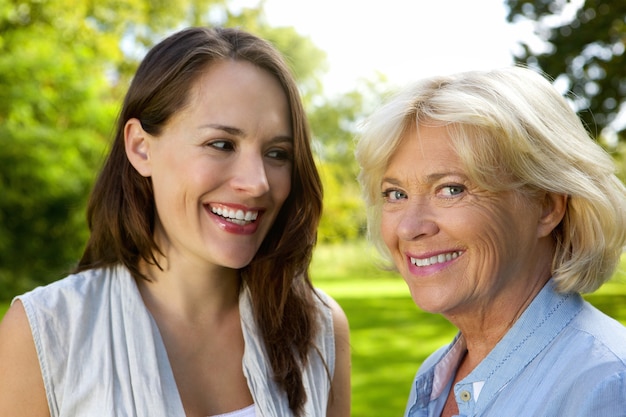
(236, 75)
(425, 146)
(237, 93)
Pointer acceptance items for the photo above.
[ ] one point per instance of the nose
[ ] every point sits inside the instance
(250, 175)
(417, 221)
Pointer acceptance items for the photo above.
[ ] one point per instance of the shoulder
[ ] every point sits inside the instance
(341, 329)
(596, 392)
(588, 355)
(340, 320)
(333, 315)
(333, 338)
(46, 313)
(72, 293)
(339, 402)
(66, 311)
(605, 336)
(21, 383)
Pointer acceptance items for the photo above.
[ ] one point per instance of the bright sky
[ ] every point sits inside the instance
(403, 39)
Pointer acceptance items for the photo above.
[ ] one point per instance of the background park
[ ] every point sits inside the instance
(65, 65)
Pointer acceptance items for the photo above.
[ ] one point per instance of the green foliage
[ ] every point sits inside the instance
(41, 209)
(335, 123)
(52, 128)
(587, 51)
(344, 212)
(618, 152)
(305, 59)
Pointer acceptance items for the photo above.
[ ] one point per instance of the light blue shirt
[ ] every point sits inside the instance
(562, 358)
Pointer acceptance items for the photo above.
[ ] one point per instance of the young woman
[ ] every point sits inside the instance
(192, 297)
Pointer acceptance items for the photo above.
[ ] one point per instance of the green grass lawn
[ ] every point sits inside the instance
(390, 336)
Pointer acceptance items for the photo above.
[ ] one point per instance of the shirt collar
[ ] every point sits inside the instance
(541, 322)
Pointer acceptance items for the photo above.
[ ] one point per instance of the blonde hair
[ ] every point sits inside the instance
(513, 131)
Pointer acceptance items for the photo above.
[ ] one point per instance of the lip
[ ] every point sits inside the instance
(235, 218)
(431, 263)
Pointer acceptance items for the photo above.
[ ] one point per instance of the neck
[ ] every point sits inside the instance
(487, 325)
(188, 292)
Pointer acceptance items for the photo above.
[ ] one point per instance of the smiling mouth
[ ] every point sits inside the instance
(437, 259)
(238, 217)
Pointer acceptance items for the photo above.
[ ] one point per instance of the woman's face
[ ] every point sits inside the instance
(461, 249)
(221, 169)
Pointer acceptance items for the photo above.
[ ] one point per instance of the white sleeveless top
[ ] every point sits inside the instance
(244, 412)
(101, 352)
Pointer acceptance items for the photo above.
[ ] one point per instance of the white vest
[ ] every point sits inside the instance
(101, 353)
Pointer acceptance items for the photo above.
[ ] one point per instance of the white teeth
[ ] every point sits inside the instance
(437, 259)
(236, 216)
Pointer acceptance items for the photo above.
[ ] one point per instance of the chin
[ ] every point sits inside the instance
(428, 302)
(241, 263)
(428, 308)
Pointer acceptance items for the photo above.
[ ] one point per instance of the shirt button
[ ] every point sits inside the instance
(466, 396)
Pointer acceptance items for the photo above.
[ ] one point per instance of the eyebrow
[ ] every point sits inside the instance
(430, 178)
(228, 129)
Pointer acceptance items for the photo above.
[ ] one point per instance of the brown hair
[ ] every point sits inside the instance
(121, 210)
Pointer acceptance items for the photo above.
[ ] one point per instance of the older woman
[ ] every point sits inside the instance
(498, 209)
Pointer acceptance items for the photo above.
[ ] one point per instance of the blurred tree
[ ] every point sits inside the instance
(55, 109)
(305, 59)
(335, 123)
(583, 47)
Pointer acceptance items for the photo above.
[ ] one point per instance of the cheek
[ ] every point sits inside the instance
(171, 167)
(497, 237)
(280, 185)
(388, 226)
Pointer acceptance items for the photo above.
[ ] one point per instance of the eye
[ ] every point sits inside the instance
(393, 194)
(452, 190)
(222, 145)
(280, 154)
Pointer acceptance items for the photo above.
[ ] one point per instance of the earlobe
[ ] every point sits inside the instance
(553, 211)
(137, 144)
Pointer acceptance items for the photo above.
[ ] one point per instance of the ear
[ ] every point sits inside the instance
(552, 212)
(137, 144)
